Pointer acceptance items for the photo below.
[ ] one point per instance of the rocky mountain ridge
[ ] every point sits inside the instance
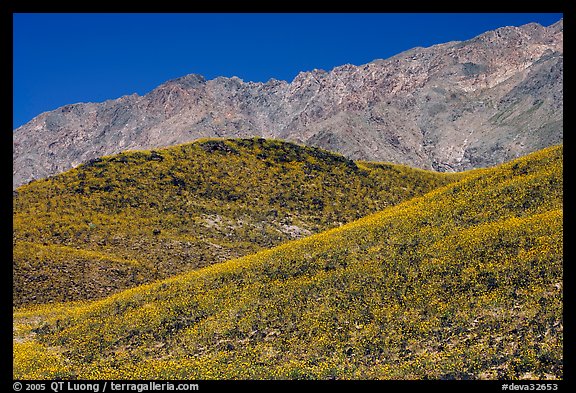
(449, 107)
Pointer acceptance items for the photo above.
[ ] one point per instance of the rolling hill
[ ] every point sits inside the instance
(463, 282)
(124, 220)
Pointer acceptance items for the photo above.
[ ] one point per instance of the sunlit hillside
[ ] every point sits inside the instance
(129, 219)
(464, 282)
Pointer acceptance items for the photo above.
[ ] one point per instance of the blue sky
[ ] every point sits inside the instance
(61, 59)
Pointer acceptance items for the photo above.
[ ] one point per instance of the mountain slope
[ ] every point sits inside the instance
(463, 282)
(129, 219)
(449, 107)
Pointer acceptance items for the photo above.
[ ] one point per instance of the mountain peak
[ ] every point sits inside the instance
(187, 81)
(558, 26)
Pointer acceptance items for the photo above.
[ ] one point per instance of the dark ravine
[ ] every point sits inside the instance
(449, 107)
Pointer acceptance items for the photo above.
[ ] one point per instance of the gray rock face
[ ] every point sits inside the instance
(449, 107)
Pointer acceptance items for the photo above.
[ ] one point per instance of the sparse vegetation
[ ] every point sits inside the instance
(121, 221)
(463, 282)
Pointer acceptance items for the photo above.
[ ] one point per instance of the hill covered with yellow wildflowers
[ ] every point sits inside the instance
(129, 219)
(463, 282)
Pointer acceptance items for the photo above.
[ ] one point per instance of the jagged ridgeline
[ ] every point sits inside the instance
(463, 282)
(128, 219)
(452, 107)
